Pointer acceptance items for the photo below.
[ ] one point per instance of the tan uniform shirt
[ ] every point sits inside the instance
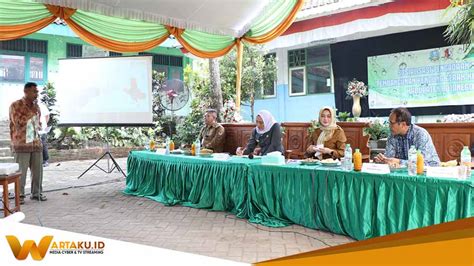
(24, 126)
(212, 137)
(337, 143)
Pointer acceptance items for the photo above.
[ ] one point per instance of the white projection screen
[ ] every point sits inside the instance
(106, 91)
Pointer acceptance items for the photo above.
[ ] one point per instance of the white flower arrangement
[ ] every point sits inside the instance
(464, 118)
(357, 88)
(230, 113)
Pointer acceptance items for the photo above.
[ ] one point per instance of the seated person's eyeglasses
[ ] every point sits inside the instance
(393, 123)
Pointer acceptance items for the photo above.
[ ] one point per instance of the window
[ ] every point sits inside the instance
(318, 67)
(176, 61)
(318, 71)
(36, 69)
(12, 68)
(23, 60)
(319, 79)
(161, 69)
(172, 66)
(175, 73)
(73, 50)
(269, 76)
(114, 54)
(297, 58)
(297, 78)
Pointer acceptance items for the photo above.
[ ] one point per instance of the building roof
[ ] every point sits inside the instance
(364, 22)
(319, 8)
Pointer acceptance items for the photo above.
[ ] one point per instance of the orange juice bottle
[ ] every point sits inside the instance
(171, 145)
(357, 160)
(193, 149)
(420, 163)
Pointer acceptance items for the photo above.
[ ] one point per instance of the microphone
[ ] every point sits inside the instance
(251, 155)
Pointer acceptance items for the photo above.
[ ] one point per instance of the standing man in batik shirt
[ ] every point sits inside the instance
(26, 144)
(212, 134)
(403, 135)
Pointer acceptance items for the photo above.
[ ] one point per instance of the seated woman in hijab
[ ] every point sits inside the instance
(266, 136)
(328, 140)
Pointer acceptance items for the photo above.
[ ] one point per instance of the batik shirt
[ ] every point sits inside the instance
(24, 126)
(398, 146)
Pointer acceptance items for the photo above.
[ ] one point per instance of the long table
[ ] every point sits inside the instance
(191, 181)
(356, 204)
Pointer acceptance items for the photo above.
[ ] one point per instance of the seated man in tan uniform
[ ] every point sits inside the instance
(212, 134)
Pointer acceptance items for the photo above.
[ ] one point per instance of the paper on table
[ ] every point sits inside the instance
(274, 153)
(161, 151)
(457, 172)
(318, 153)
(221, 156)
(375, 168)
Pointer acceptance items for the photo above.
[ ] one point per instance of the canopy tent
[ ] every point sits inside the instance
(207, 29)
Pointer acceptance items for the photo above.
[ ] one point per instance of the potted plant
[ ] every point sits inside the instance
(343, 116)
(314, 125)
(460, 27)
(377, 131)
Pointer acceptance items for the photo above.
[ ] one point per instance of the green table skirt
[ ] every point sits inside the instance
(352, 203)
(190, 181)
(355, 204)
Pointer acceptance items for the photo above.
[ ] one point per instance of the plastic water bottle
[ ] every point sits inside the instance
(347, 162)
(167, 146)
(466, 160)
(198, 147)
(412, 161)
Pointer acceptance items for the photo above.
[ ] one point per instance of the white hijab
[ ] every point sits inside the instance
(268, 121)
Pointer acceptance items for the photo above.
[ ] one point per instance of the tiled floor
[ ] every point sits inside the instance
(95, 205)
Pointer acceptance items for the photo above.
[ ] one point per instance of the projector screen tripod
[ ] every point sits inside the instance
(110, 166)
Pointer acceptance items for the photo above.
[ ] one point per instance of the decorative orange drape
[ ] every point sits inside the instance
(11, 32)
(238, 84)
(111, 45)
(177, 32)
(277, 31)
(18, 31)
(284, 25)
(61, 12)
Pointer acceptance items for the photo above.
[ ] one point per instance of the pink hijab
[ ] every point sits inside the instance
(268, 121)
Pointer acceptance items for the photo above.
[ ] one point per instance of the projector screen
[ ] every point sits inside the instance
(105, 91)
(432, 77)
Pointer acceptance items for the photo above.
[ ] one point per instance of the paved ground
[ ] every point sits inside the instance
(95, 205)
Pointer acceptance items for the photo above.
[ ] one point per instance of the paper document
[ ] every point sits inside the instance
(45, 130)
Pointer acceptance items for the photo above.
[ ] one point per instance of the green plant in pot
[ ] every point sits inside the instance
(343, 116)
(378, 133)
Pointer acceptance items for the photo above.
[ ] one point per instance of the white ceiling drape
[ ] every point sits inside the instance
(223, 17)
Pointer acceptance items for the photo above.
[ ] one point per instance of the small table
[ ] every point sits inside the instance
(4, 181)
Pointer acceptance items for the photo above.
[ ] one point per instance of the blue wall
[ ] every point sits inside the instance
(55, 29)
(291, 109)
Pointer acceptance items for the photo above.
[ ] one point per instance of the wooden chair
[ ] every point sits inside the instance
(364, 149)
(4, 181)
(291, 154)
